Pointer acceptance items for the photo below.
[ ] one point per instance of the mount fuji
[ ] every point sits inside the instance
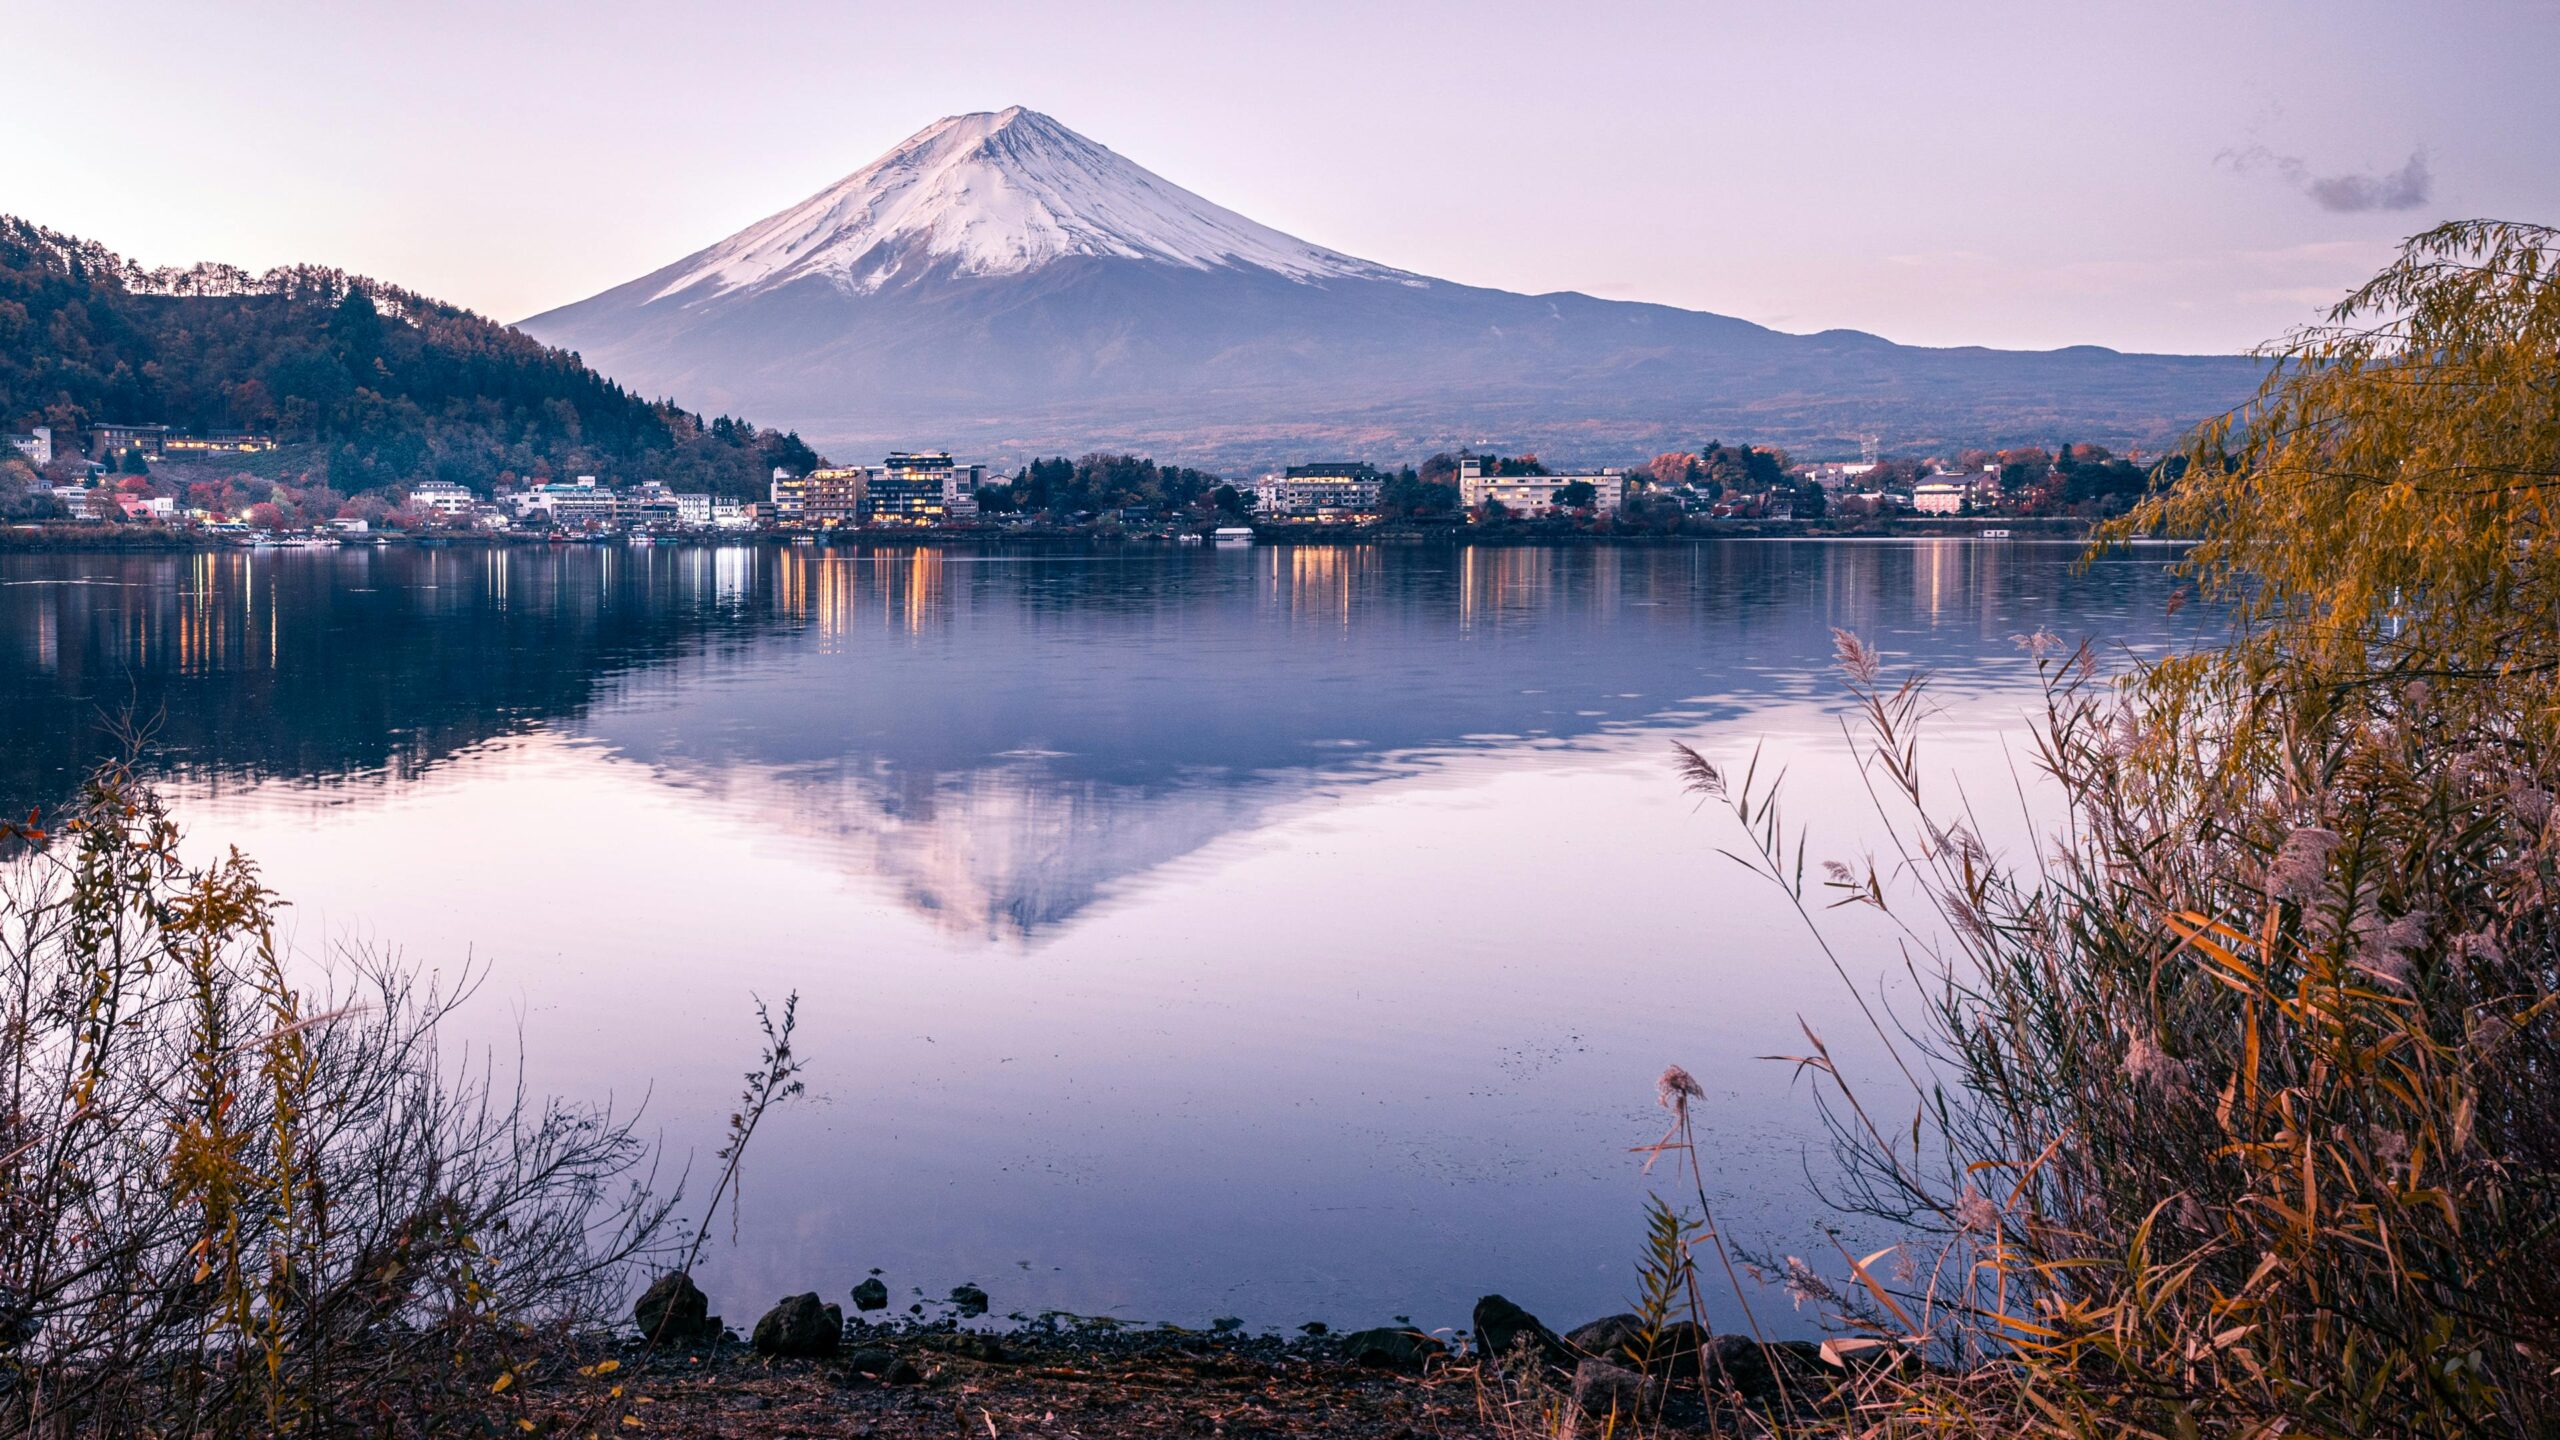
(1001, 284)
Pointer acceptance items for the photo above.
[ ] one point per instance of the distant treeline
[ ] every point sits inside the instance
(398, 387)
(1101, 482)
(2069, 479)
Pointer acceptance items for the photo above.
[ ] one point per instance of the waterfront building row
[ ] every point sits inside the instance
(907, 488)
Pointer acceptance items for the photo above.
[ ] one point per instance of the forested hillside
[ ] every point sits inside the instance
(390, 386)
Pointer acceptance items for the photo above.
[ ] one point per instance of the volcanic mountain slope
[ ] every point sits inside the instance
(1003, 284)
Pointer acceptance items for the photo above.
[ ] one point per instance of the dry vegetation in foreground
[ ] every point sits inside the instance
(231, 1206)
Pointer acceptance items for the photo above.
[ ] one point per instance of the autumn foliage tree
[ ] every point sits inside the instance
(1674, 467)
(2386, 507)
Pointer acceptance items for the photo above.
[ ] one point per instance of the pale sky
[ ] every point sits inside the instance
(2153, 176)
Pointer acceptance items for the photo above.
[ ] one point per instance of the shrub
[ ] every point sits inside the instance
(2235, 1109)
(233, 1203)
(2239, 1111)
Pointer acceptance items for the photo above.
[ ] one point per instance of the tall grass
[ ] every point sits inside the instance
(233, 1204)
(2234, 1106)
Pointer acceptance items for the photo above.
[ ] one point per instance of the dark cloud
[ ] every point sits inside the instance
(2406, 188)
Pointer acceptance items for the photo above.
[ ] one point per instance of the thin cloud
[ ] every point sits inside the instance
(2347, 193)
(2406, 188)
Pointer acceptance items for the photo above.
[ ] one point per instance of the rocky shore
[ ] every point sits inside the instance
(812, 1366)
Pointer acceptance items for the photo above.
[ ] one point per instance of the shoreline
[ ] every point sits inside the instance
(811, 1370)
(133, 539)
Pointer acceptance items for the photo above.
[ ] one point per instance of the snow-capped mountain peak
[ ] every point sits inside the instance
(1001, 284)
(996, 193)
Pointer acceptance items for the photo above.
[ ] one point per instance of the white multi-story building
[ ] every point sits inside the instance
(1940, 497)
(790, 496)
(1535, 494)
(960, 491)
(1319, 491)
(693, 508)
(36, 445)
(648, 503)
(581, 503)
(442, 497)
(1833, 474)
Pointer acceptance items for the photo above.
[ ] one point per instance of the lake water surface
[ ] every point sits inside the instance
(1287, 933)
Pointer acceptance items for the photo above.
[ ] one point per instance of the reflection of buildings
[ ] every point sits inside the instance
(1506, 580)
(262, 664)
(1322, 581)
(836, 588)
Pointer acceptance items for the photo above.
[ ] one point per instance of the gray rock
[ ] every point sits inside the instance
(674, 1311)
(1391, 1347)
(1501, 1328)
(1754, 1371)
(1607, 1336)
(1604, 1391)
(800, 1327)
(1620, 1340)
(971, 1300)
(969, 1344)
(871, 1360)
(871, 1295)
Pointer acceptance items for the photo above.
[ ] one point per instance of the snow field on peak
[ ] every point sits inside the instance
(998, 194)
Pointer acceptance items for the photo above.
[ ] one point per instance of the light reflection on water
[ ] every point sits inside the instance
(1289, 933)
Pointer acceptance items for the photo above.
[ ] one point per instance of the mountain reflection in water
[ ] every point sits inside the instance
(997, 737)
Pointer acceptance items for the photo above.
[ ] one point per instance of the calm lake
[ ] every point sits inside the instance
(1285, 933)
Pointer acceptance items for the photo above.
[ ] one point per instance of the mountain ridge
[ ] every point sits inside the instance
(1001, 283)
(387, 385)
